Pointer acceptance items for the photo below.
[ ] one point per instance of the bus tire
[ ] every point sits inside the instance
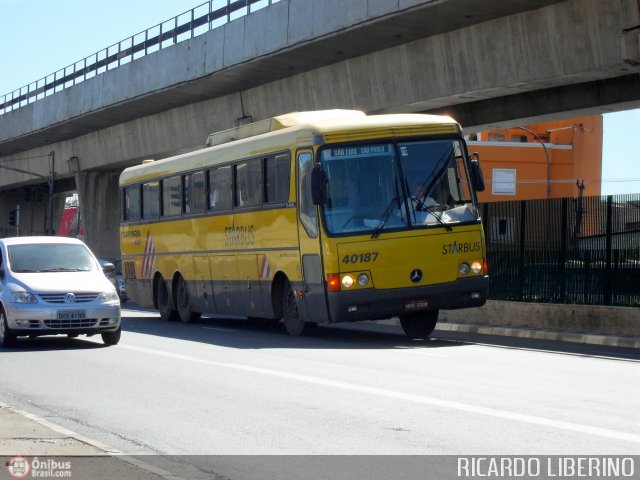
(163, 301)
(418, 326)
(294, 324)
(183, 302)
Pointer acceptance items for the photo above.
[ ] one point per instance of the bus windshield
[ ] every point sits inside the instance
(392, 186)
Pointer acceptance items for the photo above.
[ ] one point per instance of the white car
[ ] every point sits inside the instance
(54, 285)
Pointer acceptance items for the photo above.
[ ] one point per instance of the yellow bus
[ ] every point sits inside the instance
(310, 218)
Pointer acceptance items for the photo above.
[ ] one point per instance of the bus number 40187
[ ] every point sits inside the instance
(360, 257)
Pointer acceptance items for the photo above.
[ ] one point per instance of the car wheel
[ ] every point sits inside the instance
(183, 301)
(294, 324)
(418, 326)
(7, 337)
(164, 302)
(112, 338)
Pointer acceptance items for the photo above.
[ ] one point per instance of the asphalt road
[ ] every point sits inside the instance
(225, 386)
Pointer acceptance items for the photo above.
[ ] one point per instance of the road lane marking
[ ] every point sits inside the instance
(464, 407)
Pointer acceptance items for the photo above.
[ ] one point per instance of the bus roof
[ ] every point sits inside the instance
(281, 131)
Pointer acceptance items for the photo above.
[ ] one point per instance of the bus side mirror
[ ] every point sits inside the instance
(318, 185)
(477, 176)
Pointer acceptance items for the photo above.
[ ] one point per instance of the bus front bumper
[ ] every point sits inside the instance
(375, 304)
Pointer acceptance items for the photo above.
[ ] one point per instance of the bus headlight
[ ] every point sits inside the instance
(476, 267)
(363, 279)
(347, 281)
(464, 268)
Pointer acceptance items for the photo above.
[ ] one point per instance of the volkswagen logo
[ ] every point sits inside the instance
(69, 298)
(416, 275)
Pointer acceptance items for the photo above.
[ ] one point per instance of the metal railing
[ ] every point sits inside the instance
(187, 25)
(582, 250)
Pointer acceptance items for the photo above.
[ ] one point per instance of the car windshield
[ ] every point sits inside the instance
(379, 187)
(51, 257)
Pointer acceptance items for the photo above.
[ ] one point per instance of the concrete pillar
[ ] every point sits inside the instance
(100, 211)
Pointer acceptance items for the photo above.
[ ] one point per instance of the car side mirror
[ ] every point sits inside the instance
(477, 176)
(318, 185)
(108, 267)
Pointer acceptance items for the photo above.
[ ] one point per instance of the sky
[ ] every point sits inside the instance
(40, 37)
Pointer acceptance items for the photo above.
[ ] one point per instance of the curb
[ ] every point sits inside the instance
(531, 333)
(554, 335)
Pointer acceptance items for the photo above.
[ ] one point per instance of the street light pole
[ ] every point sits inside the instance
(546, 153)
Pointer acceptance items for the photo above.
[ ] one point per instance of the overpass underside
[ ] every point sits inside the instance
(485, 63)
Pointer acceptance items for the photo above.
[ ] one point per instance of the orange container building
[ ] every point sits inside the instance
(545, 160)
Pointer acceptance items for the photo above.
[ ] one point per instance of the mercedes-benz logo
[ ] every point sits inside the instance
(69, 298)
(416, 275)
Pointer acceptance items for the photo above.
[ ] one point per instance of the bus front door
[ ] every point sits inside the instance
(314, 295)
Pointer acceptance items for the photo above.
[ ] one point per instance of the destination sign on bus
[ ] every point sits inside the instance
(360, 150)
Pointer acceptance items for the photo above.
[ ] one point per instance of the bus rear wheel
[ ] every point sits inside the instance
(290, 315)
(164, 302)
(183, 302)
(418, 326)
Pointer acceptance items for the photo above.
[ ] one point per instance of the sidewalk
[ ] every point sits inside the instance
(30, 445)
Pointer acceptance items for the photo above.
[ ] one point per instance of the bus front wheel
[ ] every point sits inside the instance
(290, 315)
(164, 302)
(418, 326)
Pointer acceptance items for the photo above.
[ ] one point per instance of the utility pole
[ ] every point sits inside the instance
(50, 180)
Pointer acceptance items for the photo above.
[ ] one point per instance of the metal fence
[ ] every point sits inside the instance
(198, 20)
(583, 250)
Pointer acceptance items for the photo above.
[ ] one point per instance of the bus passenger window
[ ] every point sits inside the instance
(171, 197)
(131, 203)
(276, 179)
(248, 184)
(220, 190)
(194, 192)
(150, 199)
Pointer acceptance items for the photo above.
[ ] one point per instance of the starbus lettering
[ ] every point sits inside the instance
(462, 247)
(130, 234)
(240, 235)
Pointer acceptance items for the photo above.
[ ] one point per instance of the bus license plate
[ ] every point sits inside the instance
(417, 305)
(72, 315)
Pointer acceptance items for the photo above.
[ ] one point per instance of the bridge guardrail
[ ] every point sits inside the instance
(200, 19)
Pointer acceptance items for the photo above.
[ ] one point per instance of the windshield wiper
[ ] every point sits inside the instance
(385, 217)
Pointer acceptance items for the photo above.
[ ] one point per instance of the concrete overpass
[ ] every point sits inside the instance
(486, 63)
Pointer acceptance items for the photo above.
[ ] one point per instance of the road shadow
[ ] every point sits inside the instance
(241, 333)
(53, 342)
(247, 334)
